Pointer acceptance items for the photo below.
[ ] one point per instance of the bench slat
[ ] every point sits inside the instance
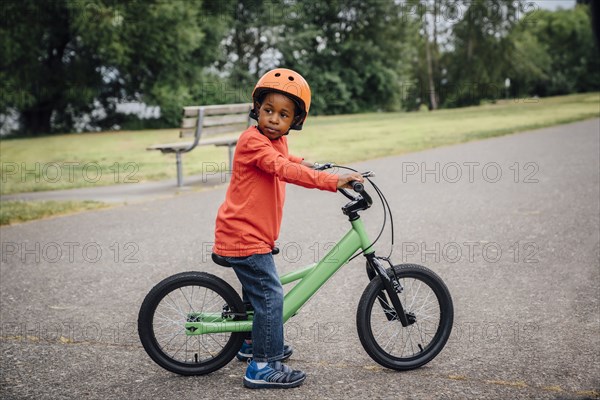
(214, 130)
(192, 111)
(226, 120)
(229, 140)
(219, 141)
(189, 123)
(172, 146)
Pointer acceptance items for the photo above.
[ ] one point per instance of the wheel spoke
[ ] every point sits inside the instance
(170, 315)
(419, 301)
(390, 339)
(204, 346)
(186, 299)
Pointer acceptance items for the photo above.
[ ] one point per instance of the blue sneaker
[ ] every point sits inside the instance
(274, 375)
(245, 352)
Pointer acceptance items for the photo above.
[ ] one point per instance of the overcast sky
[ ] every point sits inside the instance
(554, 4)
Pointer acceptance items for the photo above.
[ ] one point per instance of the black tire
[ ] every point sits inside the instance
(163, 315)
(425, 296)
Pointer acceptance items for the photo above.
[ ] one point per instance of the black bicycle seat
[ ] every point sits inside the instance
(219, 260)
(222, 261)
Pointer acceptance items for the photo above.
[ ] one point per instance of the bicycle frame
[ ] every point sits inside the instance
(311, 278)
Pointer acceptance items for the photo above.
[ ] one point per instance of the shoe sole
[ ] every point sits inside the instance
(246, 356)
(243, 356)
(252, 384)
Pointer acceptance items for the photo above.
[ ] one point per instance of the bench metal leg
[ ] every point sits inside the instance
(179, 171)
(230, 148)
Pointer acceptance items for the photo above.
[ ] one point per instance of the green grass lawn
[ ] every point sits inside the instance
(20, 211)
(366, 136)
(91, 159)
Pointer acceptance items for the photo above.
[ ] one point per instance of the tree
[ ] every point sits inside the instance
(428, 13)
(254, 30)
(480, 52)
(354, 54)
(554, 53)
(63, 60)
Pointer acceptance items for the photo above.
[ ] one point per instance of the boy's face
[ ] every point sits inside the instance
(276, 115)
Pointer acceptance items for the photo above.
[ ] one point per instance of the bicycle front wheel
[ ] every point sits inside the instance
(428, 306)
(189, 297)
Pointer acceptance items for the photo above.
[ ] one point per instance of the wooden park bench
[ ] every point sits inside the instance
(201, 122)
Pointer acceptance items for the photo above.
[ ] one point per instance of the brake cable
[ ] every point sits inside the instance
(386, 209)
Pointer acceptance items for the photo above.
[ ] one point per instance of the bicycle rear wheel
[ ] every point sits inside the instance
(428, 305)
(189, 296)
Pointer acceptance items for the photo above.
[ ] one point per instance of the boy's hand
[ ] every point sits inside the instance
(344, 179)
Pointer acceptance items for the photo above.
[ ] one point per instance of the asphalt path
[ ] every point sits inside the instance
(127, 193)
(510, 223)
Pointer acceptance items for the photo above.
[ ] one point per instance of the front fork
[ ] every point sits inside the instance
(392, 288)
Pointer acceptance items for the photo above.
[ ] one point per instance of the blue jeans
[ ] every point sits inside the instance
(262, 288)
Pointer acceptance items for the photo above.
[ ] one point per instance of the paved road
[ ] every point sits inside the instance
(510, 223)
(128, 193)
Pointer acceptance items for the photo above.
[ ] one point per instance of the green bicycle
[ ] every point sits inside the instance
(193, 323)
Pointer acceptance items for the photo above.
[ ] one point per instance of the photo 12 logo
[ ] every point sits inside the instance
(69, 332)
(69, 252)
(468, 171)
(470, 252)
(54, 172)
(290, 252)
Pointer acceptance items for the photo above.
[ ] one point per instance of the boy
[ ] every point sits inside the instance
(248, 221)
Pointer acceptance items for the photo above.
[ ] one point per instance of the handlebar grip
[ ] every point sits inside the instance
(357, 186)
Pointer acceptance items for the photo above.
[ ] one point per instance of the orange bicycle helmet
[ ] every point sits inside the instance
(291, 84)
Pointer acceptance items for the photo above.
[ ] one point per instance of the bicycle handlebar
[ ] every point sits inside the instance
(358, 187)
(363, 197)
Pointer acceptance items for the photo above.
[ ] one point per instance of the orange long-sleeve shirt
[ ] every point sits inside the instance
(249, 219)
